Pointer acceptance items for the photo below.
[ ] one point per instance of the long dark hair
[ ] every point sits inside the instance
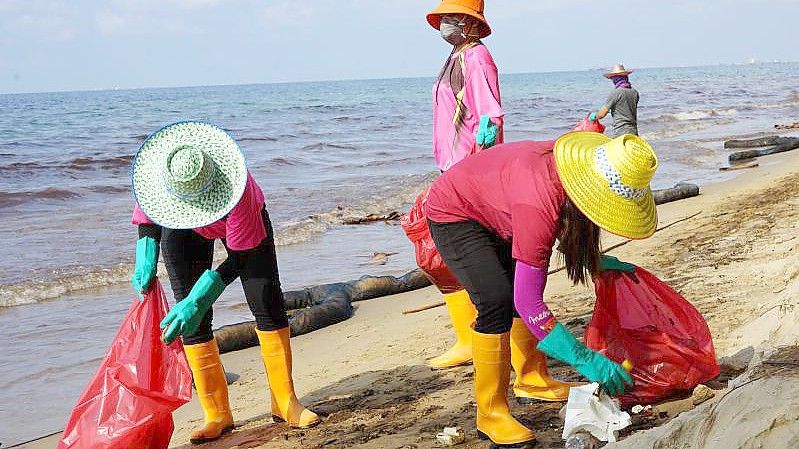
(579, 243)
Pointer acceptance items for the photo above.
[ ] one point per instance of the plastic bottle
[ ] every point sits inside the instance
(581, 440)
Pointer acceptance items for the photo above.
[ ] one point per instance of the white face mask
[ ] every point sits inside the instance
(452, 33)
(452, 30)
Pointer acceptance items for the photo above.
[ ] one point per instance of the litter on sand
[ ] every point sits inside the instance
(593, 411)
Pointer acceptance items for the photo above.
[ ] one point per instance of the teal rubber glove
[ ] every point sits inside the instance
(185, 317)
(146, 265)
(486, 133)
(562, 345)
(592, 116)
(608, 262)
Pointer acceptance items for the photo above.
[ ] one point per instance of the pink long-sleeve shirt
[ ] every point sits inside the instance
(480, 97)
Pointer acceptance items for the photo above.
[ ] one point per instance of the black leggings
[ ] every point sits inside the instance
(187, 255)
(484, 265)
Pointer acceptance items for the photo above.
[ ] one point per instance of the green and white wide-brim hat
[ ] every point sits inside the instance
(188, 175)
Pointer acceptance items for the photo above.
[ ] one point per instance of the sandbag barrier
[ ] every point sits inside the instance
(775, 145)
(314, 308)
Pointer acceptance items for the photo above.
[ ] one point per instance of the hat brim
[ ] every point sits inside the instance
(434, 17)
(588, 189)
(168, 210)
(622, 73)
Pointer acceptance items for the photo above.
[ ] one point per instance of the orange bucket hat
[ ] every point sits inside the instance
(473, 8)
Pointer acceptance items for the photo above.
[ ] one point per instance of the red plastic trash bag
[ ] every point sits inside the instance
(130, 399)
(414, 223)
(588, 125)
(638, 317)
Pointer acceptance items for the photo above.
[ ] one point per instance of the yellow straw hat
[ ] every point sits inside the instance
(473, 8)
(608, 180)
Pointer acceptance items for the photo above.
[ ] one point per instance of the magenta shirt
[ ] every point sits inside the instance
(512, 189)
(481, 97)
(242, 229)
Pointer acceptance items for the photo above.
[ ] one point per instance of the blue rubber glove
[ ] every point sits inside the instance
(146, 265)
(486, 133)
(608, 262)
(592, 116)
(185, 317)
(562, 345)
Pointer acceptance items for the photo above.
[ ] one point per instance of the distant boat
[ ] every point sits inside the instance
(752, 61)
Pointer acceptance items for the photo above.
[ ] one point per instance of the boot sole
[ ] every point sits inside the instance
(533, 401)
(208, 440)
(278, 420)
(520, 445)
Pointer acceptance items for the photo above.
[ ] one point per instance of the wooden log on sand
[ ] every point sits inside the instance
(321, 306)
(678, 192)
(786, 145)
(739, 166)
(755, 143)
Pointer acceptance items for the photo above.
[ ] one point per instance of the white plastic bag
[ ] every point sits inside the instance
(597, 414)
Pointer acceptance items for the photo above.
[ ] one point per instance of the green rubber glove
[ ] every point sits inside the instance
(562, 345)
(608, 262)
(486, 133)
(185, 317)
(146, 265)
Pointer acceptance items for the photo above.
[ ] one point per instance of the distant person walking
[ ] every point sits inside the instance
(622, 103)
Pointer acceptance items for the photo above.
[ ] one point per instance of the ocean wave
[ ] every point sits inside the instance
(62, 283)
(8, 199)
(90, 163)
(327, 145)
(684, 128)
(378, 203)
(83, 163)
(697, 115)
(257, 139)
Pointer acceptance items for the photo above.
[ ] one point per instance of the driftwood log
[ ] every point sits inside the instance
(678, 192)
(321, 306)
(371, 218)
(739, 166)
(788, 144)
(756, 143)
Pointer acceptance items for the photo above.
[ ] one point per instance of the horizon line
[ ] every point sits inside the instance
(194, 86)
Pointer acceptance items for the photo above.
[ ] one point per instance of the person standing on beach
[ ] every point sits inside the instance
(495, 217)
(622, 103)
(468, 118)
(192, 187)
(465, 91)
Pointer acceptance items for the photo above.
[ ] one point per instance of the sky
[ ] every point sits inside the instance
(54, 45)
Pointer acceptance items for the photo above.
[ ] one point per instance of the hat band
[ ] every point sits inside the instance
(187, 196)
(613, 177)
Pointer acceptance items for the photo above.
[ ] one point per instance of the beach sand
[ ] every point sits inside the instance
(737, 262)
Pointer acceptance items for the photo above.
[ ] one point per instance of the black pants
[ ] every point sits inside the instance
(484, 265)
(187, 255)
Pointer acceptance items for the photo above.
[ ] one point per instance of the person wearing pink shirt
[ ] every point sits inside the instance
(495, 218)
(192, 187)
(467, 109)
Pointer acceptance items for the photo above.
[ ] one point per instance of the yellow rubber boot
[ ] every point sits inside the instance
(491, 378)
(276, 352)
(462, 313)
(211, 385)
(533, 382)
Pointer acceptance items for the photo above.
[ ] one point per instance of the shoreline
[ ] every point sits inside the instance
(383, 351)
